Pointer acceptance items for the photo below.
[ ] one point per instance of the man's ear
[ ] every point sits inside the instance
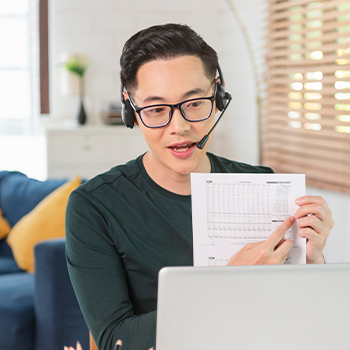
(219, 81)
(125, 95)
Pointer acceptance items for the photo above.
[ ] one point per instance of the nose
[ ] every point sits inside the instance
(178, 124)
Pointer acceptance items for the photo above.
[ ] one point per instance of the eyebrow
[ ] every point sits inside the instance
(185, 96)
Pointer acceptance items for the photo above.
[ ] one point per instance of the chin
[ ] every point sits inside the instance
(186, 169)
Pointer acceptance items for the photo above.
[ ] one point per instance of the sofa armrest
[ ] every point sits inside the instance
(59, 321)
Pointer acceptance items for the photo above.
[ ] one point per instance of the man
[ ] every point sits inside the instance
(125, 225)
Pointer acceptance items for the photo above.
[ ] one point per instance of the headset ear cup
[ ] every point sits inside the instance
(220, 97)
(128, 114)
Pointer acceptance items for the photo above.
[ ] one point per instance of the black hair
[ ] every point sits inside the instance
(163, 42)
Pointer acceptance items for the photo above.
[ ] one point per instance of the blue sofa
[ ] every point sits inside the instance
(37, 311)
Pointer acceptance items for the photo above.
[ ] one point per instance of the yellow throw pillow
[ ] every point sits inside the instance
(5, 227)
(45, 221)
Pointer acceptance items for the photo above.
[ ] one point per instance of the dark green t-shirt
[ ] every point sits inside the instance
(121, 229)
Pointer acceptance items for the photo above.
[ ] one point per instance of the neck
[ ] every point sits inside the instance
(175, 182)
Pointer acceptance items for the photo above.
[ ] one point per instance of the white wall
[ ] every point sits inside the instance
(98, 28)
(238, 132)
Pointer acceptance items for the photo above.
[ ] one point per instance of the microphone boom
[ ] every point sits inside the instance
(205, 138)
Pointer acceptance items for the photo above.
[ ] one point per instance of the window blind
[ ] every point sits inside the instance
(306, 110)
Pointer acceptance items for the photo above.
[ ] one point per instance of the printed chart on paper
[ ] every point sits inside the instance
(231, 210)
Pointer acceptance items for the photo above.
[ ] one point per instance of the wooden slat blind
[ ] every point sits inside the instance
(306, 109)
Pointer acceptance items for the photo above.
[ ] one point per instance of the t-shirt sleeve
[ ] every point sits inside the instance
(99, 279)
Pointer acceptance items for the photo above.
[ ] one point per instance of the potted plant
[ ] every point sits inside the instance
(77, 65)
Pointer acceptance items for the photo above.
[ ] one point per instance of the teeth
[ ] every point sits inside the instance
(181, 149)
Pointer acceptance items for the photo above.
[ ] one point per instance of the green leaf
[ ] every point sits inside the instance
(76, 65)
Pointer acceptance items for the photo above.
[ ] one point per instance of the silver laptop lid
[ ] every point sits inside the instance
(298, 307)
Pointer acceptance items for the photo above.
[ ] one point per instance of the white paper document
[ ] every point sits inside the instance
(231, 210)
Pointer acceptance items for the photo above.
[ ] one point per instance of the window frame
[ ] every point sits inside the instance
(44, 57)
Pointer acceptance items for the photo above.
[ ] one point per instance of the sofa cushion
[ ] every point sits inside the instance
(17, 325)
(20, 194)
(45, 221)
(5, 250)
(8, 265)
(4, 226)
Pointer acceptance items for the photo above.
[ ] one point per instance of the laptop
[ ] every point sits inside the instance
(294, 307)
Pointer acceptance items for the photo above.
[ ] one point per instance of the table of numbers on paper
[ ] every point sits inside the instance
(231, 210)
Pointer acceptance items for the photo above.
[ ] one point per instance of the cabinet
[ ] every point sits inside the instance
(90, 150)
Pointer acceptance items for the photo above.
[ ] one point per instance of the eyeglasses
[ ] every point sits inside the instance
(193, 110)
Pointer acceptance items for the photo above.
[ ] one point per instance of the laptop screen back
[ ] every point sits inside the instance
(298, 307)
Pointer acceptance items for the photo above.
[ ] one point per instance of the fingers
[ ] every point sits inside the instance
(313, 229)
(279, 233)
(313, 238)
(284, 248)
(312, 221)
(314, 246)
(316, 206)
(284, 258)
(309, 200)
(79, 347)
(315, 222)
(321, 211)
(279, 244)
(314, 213)
(272, 251)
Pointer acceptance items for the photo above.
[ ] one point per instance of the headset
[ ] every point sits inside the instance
(222, 99)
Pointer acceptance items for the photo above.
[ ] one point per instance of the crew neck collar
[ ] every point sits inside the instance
(160, 189)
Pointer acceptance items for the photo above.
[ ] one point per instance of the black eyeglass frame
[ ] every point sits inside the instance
(138, 110)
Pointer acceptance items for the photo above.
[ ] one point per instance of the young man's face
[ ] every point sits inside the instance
(173, 148)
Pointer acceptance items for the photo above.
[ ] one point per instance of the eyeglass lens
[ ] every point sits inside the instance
(193, 110)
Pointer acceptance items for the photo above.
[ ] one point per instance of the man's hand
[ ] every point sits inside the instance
(272, 251)
(71, 347)
(315, 223)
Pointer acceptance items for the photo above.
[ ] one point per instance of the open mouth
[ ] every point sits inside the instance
(183, 148)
